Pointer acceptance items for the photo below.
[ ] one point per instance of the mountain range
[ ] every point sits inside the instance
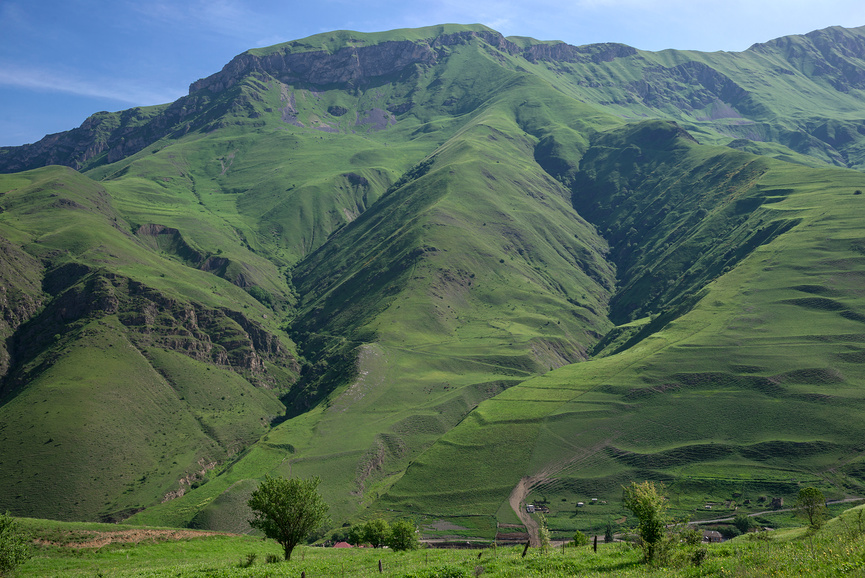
(449, 272)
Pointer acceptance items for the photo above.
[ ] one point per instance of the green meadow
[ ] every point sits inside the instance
(74, 549)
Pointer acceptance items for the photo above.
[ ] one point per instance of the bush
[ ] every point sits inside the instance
(272, 559)
(743, 523)
(728, 532)
(14, 547)
(248, 561)
(580, 539)
(692, 536)
(608, 533)
(699, 555)
(261, 295)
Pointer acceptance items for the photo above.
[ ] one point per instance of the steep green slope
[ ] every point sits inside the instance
(105, 405)
(797, 98)
(759, 383)
(449, 289)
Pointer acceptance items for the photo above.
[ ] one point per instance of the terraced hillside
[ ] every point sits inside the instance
(361, 255)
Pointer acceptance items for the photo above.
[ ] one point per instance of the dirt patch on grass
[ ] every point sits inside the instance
(96, 539)
(443, 526)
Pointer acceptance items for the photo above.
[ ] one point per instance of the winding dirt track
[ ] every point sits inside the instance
(527, 483)
(516, 499)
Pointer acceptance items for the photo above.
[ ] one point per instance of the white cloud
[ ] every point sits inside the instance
(121, 90)
(232, 18)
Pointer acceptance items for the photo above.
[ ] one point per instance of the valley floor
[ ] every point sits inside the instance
(70, 549)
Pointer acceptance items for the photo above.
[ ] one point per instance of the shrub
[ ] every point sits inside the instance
(14, 548)
(580, 539)
(699, 555)
(272, 558)
(608, 533)
(544, 534)
(743, 523)
(248, 561)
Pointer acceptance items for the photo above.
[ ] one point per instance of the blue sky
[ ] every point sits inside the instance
(62, 60)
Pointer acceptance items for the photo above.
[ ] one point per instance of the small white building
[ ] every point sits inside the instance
(580, 504)
(530, 508)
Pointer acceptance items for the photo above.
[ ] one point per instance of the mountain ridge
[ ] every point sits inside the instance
(335, 65)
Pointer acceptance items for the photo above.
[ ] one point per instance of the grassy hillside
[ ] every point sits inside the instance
(105, 405)
(751, 393)
(445, 292)
(438, 218)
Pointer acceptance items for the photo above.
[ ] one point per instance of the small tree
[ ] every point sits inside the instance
(403, 536)
(544, 534)
(650, 507)
(14, 549)
(287, 510)
(743, 523)
(355, 536)
(580, 539)
(811, 506)
(376, 532)
(608, 533)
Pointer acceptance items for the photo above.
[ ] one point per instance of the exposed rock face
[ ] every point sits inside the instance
(218, 336)
(355, 64)
(835, 54)
(170, 240)
(562, 52)
(20, 294)
(349, 65)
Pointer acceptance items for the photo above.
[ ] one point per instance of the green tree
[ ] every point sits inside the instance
(355, 535)
(580, 539)
(403, 536)
(376, 532)
(648, 504)
(743, 523)
(14, 548)
(544, 534)
(811, 505)
(608, 533)
(287, 510)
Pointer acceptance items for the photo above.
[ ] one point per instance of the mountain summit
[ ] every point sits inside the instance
(448, 272)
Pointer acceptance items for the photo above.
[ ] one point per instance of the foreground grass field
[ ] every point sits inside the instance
(76, 549)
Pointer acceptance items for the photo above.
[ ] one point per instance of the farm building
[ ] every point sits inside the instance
(712, 536)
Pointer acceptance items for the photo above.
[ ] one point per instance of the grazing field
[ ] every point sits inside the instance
(75, 549)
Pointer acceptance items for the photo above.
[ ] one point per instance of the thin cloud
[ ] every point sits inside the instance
(231, 18)
(120, 90)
